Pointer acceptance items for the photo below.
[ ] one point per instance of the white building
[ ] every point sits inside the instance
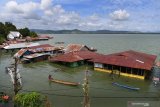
(13, 35)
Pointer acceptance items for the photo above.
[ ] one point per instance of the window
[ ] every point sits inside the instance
(98, 65)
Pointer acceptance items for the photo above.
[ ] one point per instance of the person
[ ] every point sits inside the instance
(50, 77)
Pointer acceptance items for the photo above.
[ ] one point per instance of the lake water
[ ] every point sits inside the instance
(102, 92)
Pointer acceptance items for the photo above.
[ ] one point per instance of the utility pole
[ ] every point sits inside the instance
(16, 85)
(15, 76)
(86, 102)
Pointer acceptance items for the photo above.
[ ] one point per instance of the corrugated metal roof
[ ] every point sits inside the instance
(41, 46)
(20, 45)
(16, 41)
(75, 56)
(74, 47)
(35, 55)
(20, 53)
(36, 49)
(67, 58)
(130, 58)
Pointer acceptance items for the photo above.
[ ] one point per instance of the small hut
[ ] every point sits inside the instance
(13, 35)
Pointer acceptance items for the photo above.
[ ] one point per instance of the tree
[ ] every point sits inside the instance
(2, 38)
(9, 27)
(2, 32)
(2, 28)
(32, 99)
(6, 27)
(25, 32)
(33, 34)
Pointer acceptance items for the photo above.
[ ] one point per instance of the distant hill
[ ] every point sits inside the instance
(76, 31)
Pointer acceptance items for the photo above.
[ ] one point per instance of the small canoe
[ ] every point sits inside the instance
(64, 82)
(125, 86)
(59, 43)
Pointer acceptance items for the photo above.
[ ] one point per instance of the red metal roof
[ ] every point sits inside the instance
(130, 58)
(75, 56)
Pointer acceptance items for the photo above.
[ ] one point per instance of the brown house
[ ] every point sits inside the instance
(74, 59)
(129, 63)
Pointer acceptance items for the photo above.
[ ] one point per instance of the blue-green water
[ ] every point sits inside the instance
(102, 92)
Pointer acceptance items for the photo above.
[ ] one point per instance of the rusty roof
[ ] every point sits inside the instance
(35, 55)
(129, 58)
(36, 49)
(20, 53)
(75, 56)
(41, 46)
(74, 47)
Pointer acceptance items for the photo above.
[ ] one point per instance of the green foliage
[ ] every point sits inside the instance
(9, 27)
(25, 32)
(6, 27)
(32, 99)
(2, 28)
(33, 34)
(2, 38)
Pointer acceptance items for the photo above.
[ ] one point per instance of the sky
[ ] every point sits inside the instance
(127, 15)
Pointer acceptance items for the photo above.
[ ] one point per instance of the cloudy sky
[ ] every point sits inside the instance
(134, 15)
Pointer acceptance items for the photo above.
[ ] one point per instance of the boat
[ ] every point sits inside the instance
(59, 43)
(126, 86)
(64, 82)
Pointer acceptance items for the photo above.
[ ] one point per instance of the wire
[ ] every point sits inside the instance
(47, 90)
(64, 95)
(116, 90)
(80, 96)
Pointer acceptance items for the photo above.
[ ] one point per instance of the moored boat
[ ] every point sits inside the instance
(59, 43)
(64, 82)
(126, 86)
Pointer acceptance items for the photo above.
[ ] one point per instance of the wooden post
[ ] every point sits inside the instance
(119, 72)
(17, 84)
(47, 102)
(15, 77)
(86, 90)
(138, 71)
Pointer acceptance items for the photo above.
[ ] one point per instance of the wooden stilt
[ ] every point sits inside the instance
(119, 72)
